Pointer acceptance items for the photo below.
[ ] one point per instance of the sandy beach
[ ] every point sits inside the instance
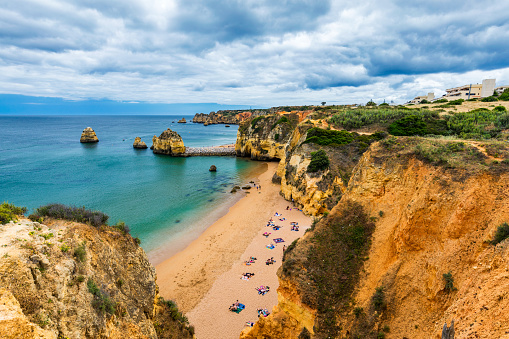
(205, 278)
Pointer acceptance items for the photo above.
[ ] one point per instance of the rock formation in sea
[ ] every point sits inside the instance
(169, 142)
(139, 144)
(88, 136)
(232, 117)
(213, 168)
(182, 121)
(63, 279)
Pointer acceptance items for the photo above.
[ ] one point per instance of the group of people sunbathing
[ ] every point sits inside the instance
(235, 306)
(270, 261)
(247, 276)
(250, 261)
(263, 289)
(263, 312)
(295, 226)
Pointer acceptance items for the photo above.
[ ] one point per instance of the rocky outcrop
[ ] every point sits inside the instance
(139, 144)
(169, 142)
(213, 168)
(426, 219)
(77, 281)
(224, 117)
(182, 121)
(88, 136)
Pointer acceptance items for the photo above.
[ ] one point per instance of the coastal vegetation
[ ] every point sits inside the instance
(72, 213)
(333, 275)
(9, 212)
(319, 161)
(501, 234)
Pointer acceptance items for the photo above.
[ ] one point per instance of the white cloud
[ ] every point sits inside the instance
(252, 52)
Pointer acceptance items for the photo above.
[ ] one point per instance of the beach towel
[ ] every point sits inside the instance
(240, 308)
(278, 240)
(270, 247)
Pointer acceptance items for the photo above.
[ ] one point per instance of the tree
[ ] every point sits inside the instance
(323, 103)
(371, 103)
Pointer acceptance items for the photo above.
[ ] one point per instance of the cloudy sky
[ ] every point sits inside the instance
(249, 52)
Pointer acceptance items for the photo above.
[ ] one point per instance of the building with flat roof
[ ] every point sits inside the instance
(418, 100)
(471, 91)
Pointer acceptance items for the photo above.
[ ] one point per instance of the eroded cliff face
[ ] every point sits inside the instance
(169, 142)
(71, 280)
(429, 220)
(265, 137)
(222, 117)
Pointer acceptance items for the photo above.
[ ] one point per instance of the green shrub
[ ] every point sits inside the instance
(9, 212)
(281, 120)
(439, 101)
(456, 102)
(357, 311)
(122, 227)
(36, 218)
(489, 99)
(102, 300)
(384, 104)
(504, 96)
(449, 282)
(80, 252)
(424, 101)
(276, 136)
(319, 161)
(324, 137)
(378, 299)
(501, 234)
(409, 125)
(255, 121)
(72, 213)
(371, 103)
(500, 109)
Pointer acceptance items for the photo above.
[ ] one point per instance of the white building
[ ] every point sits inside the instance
(471, 91)
(418, 100)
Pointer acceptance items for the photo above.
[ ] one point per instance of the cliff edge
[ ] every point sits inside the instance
(71, 280)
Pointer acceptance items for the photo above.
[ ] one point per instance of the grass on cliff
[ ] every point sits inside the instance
(101, 301)
(9, 212)
(72, 213)
(334, 260)
(169, 322)
(501, 234)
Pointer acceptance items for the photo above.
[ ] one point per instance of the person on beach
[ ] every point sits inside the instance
(284, 248)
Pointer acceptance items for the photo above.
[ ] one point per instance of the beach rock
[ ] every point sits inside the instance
(212, 168)
(169, 142)
(237, 187)
(88, 136)
(182, 121)
(139, 144)
(233, 190)
(246, 187)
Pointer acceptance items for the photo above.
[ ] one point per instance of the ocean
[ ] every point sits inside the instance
(167, 202)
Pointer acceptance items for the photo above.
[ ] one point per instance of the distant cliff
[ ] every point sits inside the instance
(70, 280)
(230, 117)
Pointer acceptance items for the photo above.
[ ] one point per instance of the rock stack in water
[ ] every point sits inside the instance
(169, 142)
(182, 121)
(139, 144)
(213, 168)
(88, 136)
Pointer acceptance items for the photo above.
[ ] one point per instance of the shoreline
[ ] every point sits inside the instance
(204, 278)
(183, 238)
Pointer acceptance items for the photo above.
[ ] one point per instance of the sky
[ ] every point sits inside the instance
(242, 53)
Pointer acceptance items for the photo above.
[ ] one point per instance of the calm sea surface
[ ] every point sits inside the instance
(166, 201)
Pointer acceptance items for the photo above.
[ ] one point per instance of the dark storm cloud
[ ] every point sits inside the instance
(261, 50)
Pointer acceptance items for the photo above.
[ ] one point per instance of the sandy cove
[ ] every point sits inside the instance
(205, 278)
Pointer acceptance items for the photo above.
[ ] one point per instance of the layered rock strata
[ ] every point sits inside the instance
(169, 142)
(72, 280)
(182, 121)
(139, 144)
(88, 136)
(429, 260)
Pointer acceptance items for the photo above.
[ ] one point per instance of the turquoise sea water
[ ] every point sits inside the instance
(166, 201)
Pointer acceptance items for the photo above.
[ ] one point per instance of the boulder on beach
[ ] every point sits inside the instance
(246, 187)
(139, 144)
(182, 121)
(88, 136)
(213, 168)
